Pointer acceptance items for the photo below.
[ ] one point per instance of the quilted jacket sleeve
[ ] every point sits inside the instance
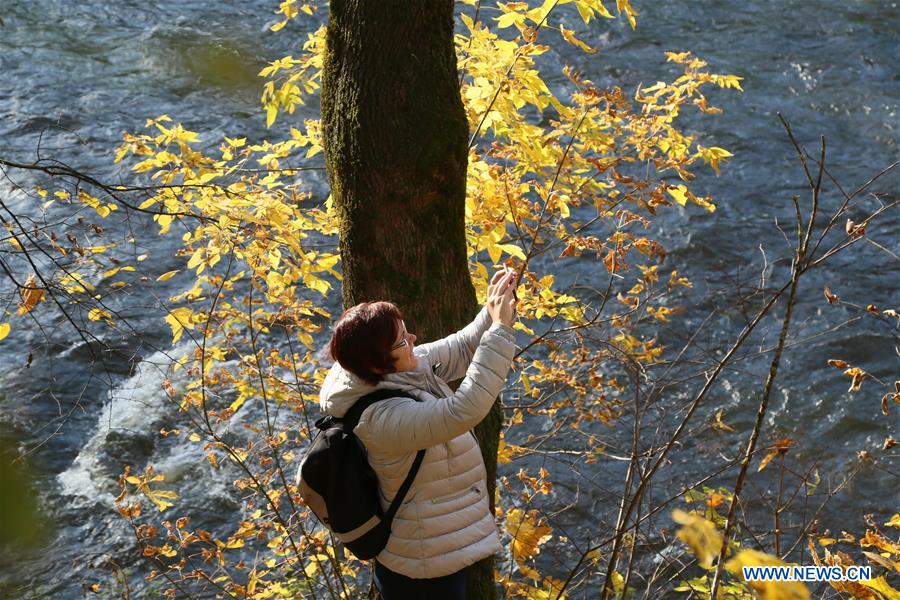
(402, 425)
(452, 355)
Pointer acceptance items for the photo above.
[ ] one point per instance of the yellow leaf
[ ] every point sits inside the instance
(722, 425)
(618, 582)
(160, 498)
(598, 6)
(494, 251)
(320, 285)
(506, 452)
(539, 15)
(169, 275)
(527, 534)
(563, 209)
(311, 568)
(274, 258)
(180, 319)
(165, 221)
(625, 7)
(4, 330)
(679, 57)
(880, 585)
(307, 339)
(31, 294)
(512, 250)
(584, 11)
(894, 522)
(857, 375)
(728, 81)
(781, 447)
(766, 460)
(701, 535)
(508, 19)
(569, 36)
(522, 327)
(97, 313)
(679, 192)
(876, 540)
(713, 156)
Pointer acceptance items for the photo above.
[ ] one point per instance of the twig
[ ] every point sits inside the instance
(796, 272)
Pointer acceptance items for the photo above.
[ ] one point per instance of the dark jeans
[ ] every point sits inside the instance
(394, 586)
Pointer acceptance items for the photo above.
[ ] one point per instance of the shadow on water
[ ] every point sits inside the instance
(20, 520)
(23, 527)
(210, 62)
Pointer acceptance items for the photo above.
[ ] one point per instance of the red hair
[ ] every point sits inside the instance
(363, 337)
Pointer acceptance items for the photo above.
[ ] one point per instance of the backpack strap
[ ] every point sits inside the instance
(401, 493)
(351, 419)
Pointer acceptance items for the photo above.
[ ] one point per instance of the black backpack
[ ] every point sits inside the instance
(340, 487)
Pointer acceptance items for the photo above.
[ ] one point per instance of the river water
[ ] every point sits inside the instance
(75, 75)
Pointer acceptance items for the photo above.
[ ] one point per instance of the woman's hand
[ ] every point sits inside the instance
(501, 299)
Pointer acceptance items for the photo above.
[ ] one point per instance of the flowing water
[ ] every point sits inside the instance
(75, 75)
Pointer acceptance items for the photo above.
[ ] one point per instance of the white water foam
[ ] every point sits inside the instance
(132, 416)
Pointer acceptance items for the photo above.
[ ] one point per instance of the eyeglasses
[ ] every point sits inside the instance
(405, 341)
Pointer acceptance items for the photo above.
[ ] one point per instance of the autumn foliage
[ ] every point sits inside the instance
(552, 181)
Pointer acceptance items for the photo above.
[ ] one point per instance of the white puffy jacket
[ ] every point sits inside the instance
(444, 523)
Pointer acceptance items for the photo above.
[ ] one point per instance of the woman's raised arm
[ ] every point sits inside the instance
(451, 355)
(403, 425)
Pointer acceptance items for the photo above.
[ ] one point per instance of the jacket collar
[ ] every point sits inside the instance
(341, 388)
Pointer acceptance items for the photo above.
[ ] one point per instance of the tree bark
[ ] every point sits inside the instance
(395, 138)
(395, 146)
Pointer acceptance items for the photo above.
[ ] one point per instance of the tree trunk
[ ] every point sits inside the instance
(395, 146)
(395, 139)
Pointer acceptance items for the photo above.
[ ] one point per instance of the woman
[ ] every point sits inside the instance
(444, 523)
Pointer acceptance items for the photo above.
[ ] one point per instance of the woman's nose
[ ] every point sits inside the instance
(412, 337)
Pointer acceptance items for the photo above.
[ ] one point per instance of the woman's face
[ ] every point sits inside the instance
(402, 350)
